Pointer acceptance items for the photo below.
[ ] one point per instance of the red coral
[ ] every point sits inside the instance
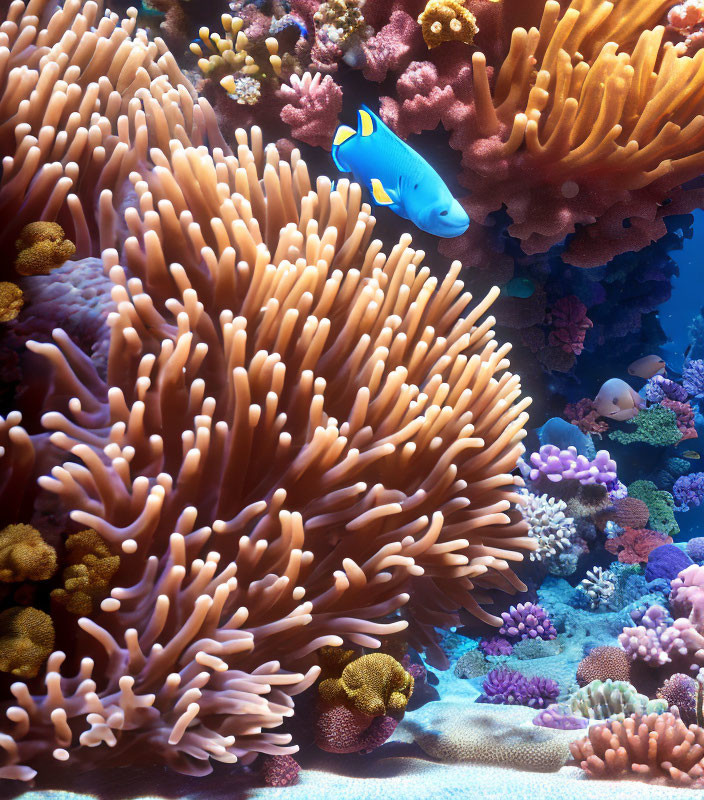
(585, 417)
(339, 729)
(634, 546)
(630, 512)
(312, 109)
(570, 322)
(685, 417)
(604, 663)
(279, 770)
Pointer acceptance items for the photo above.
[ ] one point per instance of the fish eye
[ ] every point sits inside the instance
(443, 213)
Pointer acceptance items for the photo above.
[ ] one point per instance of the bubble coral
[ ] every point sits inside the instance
(447, 21)
(24, 555)
(26, 640)
(651, 746)
(634, 545)
(374, 684)
(42, 246)
(87, 578)
(558, 465)
(604, 663)
(11, 301)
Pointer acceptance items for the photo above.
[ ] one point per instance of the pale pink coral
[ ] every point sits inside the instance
(391, 48)
(312, 109)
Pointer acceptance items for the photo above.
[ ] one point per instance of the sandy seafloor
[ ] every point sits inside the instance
(399, 770)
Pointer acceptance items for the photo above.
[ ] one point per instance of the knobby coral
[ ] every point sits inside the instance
(42, 246)
(296, 432)
(446, 21)
(24, 555)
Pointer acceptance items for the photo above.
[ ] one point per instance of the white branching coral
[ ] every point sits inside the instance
(547, 524)
(598, 585)
(300, 441)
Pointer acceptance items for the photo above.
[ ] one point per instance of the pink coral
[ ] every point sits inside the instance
(279, 770)
(687, 20)
(392, 47)
(585, 417)
(685, 417)
(312, 109)
(340, 729)
(687, 593)
(634, 545)
(570, 322)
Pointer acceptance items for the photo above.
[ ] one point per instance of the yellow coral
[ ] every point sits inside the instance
(375, 684)
(87, 578)
(26, 641)
(446, 21)
(11, 300)
(42, 246)
(24, 555)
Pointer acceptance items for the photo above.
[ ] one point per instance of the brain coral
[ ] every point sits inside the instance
(296, 434)
(604, 663)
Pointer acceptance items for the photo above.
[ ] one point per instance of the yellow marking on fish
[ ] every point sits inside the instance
(379, 193)
(691, 454)
(343, 133)
(367, 124)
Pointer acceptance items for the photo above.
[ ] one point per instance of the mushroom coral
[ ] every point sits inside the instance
(300, 441)
(590, 124)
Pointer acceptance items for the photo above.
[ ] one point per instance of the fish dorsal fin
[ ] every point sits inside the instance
(381, 196)
(342, 134)
(366, 123)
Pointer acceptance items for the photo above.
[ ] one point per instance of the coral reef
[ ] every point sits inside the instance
(548, 525)
(693, 377)
(569, 322)
(665, 563)
(298, 440)
(278, 770)
(312, 108)
(681, 691)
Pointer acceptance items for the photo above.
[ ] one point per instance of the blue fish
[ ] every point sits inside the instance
(397, 176)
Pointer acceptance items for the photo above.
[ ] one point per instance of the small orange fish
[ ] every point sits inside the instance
(647, 367)
(691, 454)
(618, 401)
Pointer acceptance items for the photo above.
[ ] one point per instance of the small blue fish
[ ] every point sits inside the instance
(397, 176)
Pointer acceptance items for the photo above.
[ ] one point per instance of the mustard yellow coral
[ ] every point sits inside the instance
(11, 300)
(24, 555)
(26, 641)
(87, 578)
(375, 684)
(42, 246)
(445, 21)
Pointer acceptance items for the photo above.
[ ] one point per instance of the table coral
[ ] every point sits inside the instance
(447, 21)
(41, 247)
(26, 640)
(24, 555)
(656, 426)
(88, 576)
(651, 746)
(11, 301)
(297, 435)
(634, 545)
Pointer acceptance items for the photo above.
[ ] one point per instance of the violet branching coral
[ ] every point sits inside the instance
(508, 687)
(526, 621)
(300, 441)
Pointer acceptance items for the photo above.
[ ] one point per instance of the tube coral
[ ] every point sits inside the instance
(297, 434)
(591, 122)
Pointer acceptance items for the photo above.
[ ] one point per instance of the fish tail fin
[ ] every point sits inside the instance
(342, 134)
(366, 121)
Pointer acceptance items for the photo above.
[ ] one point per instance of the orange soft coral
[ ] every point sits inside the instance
(24, 555)
(42, 246)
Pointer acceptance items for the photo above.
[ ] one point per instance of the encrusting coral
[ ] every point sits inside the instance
(87, 577)
(11, 301)
(24, 555)
(300, 441)
(42, 246)
(447, 21)
(26, 640)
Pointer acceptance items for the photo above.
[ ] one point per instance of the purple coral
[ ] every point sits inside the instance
(693, 377)
(556, 717)
(659, 387)
(558, 465)
(508, 687)
(695, 549)
(654, 639)
(496, 646)
(689, 491)
(526, 621)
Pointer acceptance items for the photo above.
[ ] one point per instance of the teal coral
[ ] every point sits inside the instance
(656, 426)
(612, 700)
(660, 504)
